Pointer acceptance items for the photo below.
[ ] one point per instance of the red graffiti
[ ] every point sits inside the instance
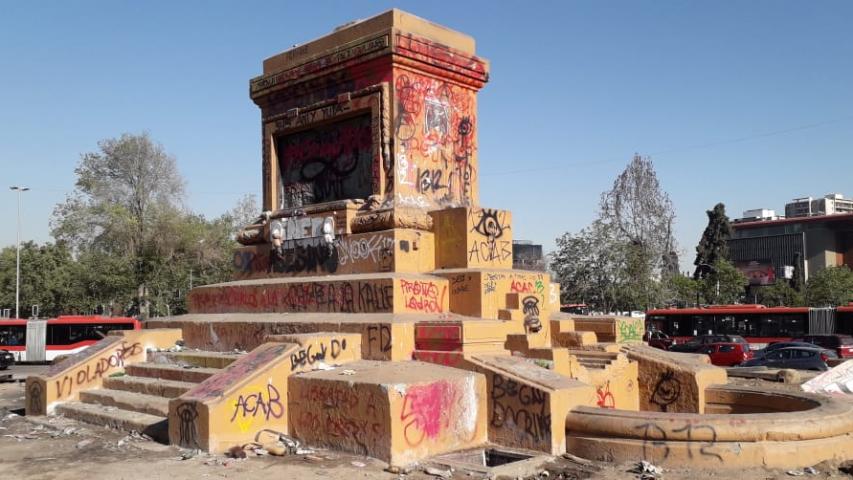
(521, 287)
(605, 398)
(426, 411)
(423, 296)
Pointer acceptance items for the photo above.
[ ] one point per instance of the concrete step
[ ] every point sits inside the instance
(194, 357)
(154, 426)
(171, 372)
(137, 402)
(149, 386)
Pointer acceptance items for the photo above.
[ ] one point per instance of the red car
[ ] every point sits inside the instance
(727, 354)
(658, 340)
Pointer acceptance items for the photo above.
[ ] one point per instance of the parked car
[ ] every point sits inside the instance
(777, 345)
(800, 358)
(6, 359)
(694, 344)
(727, 354)
(841, 344)
(658, 340)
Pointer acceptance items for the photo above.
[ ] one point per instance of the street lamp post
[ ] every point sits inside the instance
(19, 190)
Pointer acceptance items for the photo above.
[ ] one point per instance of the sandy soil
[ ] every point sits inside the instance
(58, 448)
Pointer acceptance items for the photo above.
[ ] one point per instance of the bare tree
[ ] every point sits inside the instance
(641, 214)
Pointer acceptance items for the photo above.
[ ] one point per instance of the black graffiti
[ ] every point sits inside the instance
(187, 427)
(667, 390)
(489, 225)
(381, 336)
(329, 175)
(656, 438)
(256, 403)
(34, 393)
(310, 255)
(526, 411)
(375, 297)
(530, 308)
(706, 446)
(430, 181)
(306, 356)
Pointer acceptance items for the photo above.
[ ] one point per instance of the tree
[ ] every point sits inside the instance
(586, 266)
(640, 216)
(830, 287)
(122, 194)
(683, 290)
(713, 244)
(724, 284)
(48, 279)
(780, 294)
(620, 260)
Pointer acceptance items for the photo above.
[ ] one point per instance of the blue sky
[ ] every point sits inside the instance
(748, 103)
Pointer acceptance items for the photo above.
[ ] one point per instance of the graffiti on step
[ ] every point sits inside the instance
(265, 403)
(92, 371)
(308, 356)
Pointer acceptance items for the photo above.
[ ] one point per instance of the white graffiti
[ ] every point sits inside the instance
(417, 201)
(553, 296)
(376, 248)
(403, 168)
(298, 228)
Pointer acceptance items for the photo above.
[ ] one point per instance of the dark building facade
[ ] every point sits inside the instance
(770, 249)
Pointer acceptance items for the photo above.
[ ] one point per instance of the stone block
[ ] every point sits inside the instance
(365, 293)
(399, 412)
(231, 407)
(88, 369)
(485, 233)
(528, 404)
(672, 382)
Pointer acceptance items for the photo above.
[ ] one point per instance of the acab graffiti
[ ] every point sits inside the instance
(265, 403)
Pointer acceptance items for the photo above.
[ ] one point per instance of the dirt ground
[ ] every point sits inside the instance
(58, 448)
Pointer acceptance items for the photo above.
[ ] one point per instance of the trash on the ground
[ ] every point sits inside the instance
(347, 372)
(84, 443)
(810, 471)
(278, 449)
(437, 472)
(358, 464)
(576, 459)
(647, 470)
(312, 458)
(236, 452)
(796, 473)
(304, 451)
(261, 451)
(188, 454)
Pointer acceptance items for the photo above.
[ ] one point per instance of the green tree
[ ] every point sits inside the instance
(724, 284)
(780, 294)
(830, 287)
(713, 244)
(683, 290)
(49, 279)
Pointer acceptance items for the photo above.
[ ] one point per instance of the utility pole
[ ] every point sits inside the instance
(19, 190)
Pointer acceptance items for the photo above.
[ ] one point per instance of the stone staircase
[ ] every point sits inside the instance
(139, 399)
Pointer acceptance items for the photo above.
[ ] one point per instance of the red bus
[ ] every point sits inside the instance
(756, 323)
(44, 340)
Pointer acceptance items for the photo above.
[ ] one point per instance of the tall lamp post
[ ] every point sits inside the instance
(19, 189)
